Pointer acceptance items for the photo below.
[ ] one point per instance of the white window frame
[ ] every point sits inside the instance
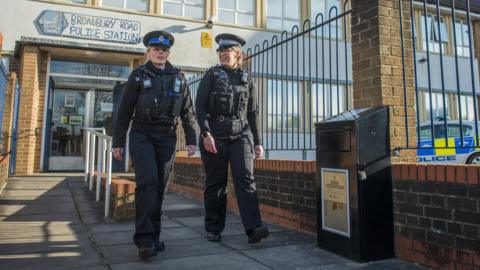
(437, 104)
(468, 110)
(465, 51)
(237, 11)
(433, 33)
(326, 14)
(283, 18)
(185, 3)
(125, 6)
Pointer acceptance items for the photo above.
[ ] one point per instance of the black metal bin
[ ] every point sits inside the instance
(354, 185)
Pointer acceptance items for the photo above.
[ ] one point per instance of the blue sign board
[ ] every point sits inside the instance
(57, 23)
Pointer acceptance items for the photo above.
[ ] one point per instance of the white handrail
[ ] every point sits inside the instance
(104, 162)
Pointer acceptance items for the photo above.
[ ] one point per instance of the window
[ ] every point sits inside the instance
(282, 105)
(76, 1)
(467, 107)
(137, 5)
(184, 8)
(283, 14)
(463, 43)
(453, 130)
(433, 34)
(325, 7)
(327, 101)
(236, 12)
(437, 106)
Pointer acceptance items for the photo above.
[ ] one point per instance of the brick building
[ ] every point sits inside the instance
(68, 55)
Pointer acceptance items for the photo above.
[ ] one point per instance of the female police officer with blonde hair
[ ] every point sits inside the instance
(227, 114)
(157, 92)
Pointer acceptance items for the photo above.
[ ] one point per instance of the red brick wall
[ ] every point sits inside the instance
(437, 215)
(285, 189)
(436, 207)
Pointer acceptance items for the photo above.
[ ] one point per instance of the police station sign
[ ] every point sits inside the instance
(57, 23)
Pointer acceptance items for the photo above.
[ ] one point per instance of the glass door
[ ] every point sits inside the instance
(68, 121)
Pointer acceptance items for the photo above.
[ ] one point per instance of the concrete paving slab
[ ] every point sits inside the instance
(286, 238)
(61, 259)
(125, 237)
(294, 256)
(22, 230)
(53, 243)
(12, 193)
(35, 185)
(199, 221)
(50, 217)
(230, 261)
(36, 209)
(173, 249)
(184, 213)
(21, 200)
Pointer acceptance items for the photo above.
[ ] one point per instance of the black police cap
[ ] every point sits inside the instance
(229, 40)
(158, 38)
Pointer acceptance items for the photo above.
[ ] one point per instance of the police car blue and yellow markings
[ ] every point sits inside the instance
(439, 151)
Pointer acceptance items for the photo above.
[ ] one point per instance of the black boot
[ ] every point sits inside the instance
(214, 237)
(258, 234)
(147, 252)
(159, 246)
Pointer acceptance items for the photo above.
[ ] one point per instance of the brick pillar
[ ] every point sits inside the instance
(28, 114)
(377, 66)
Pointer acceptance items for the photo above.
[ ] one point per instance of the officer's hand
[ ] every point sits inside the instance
(209, 144)
(118, 153)
(258, 151)
(191, 150)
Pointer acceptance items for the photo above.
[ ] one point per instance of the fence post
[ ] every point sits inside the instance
(87, 155)
(99, 167)
(92, 161)
(377, 66)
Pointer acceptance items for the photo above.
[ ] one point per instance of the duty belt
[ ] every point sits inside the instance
(222, 118)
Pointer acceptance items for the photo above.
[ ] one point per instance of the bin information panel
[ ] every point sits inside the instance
(335, 201)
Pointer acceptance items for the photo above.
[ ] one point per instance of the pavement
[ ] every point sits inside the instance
(53, 222)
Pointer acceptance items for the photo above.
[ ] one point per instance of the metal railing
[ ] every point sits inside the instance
(302, 77)
(104, 162)
(445, 71)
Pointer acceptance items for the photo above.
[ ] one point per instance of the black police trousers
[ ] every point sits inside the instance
(239, 152)
(152, 156)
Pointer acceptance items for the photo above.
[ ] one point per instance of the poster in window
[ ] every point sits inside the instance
(76, 120)
(335, 201)
(69, 101)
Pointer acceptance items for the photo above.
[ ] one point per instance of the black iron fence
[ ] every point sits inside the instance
(302, 77)
(446, 78)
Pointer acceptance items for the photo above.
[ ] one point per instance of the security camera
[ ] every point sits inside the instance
(211, 22)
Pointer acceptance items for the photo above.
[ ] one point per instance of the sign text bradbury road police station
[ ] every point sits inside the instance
(65, 24)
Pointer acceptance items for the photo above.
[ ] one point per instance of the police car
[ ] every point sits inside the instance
(434, 153)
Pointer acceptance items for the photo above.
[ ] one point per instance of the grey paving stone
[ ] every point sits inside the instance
(66, 259)
(126, 237)
(22, 230)
(13, 193)
(198, 221)
(230, 261)
(35, 185)
(47, 217)
(294, 256)
(36, 209)
(184, 213)
(286, 238)
(21, 200)
(20, 246)
(174, 249)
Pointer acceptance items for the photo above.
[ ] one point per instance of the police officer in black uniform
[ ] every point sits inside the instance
(155, 95)
(227, 113)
